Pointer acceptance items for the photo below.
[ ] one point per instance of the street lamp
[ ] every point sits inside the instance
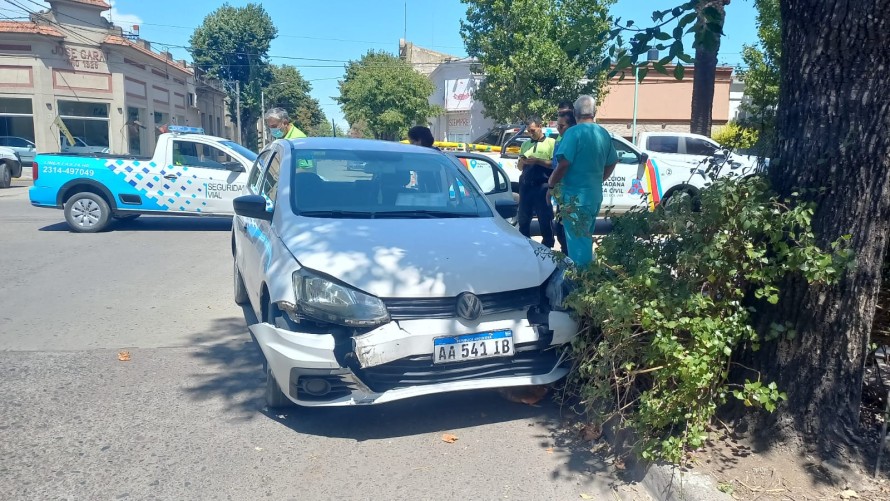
(651, 56)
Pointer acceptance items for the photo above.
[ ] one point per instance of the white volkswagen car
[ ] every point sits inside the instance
(393, 280)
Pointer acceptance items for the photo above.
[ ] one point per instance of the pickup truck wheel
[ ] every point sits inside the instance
(240, 289)
(5, 175)
(275, 398)
(87, 212)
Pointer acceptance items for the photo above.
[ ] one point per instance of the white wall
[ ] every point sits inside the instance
(479, 124)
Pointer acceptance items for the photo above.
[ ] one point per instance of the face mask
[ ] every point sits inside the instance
(277, 134)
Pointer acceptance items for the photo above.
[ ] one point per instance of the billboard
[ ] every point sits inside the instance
(459, 94)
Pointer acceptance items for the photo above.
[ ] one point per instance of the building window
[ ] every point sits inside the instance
(16, 119)
(87, 122)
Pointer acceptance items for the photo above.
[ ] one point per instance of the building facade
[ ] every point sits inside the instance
(664, 104)
(463, 120)
(69, 67)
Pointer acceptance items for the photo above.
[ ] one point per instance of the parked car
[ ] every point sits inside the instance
(401, 280)
(81, 146)
(10, 166)
(190, 174)
(24, 147)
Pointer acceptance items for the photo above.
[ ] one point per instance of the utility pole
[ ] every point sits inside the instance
(263, 108)
(238, 111)
(333, 128)
(633, 130)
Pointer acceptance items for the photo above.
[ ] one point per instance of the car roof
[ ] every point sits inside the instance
(355, 144)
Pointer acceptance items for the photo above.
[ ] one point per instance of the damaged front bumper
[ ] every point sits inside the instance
(395, 361)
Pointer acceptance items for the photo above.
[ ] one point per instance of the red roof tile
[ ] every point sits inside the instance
(95, 3)
(118, 40)
(29, 27)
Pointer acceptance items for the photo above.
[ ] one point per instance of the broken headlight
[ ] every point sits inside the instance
(558, 289)
(326, 300)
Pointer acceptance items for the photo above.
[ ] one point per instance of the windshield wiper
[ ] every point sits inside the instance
(422, 213)
(342, 214)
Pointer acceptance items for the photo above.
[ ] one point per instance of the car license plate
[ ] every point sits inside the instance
(473, 346)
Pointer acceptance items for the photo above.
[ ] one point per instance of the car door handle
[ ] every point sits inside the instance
(171, 177)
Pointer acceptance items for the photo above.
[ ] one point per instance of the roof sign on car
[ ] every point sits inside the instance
(182, 129)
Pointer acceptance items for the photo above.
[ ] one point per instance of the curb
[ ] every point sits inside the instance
(664, 482)
(667, 483)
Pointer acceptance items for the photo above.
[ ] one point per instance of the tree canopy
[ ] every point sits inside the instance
(232, 44)
(386, 94)
(535, 53)
(289, 90)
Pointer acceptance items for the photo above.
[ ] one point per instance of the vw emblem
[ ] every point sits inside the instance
(469, 306)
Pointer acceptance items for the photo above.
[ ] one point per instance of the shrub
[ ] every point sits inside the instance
(670, 301)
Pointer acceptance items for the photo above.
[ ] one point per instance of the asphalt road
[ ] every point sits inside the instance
(184, 418)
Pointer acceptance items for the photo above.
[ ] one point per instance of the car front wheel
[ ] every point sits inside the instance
(275, 398)
(240, 289)
(5, 175)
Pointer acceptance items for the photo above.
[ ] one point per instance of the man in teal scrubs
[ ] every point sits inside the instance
(586, 158)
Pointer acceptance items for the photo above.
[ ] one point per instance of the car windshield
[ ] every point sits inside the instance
(244, 152)
(378, 184)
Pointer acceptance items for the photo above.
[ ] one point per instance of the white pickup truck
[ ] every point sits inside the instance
(621, 192)
(679, 160)
(189, 174)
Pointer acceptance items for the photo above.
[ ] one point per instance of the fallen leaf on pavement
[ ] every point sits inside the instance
(257, 448)
(124, 356)
(448, 438)
(619, 464)
(585, 496)
(550, 450)
(848, 494)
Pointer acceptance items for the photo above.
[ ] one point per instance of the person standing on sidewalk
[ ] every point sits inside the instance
(279, 124)
(586, 158)
(535, 162)
(565, 120)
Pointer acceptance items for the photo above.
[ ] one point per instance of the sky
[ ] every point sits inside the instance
(338, 31)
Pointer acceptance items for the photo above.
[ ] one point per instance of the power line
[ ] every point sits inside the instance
(303, 37)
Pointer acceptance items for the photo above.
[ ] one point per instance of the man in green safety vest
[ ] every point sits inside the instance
(278, 122)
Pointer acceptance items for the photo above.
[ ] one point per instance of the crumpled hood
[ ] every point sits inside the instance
(418, 257)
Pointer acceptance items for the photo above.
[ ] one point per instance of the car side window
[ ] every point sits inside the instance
(663, 144)
(194, 154)
(696, 146)
(270, 180)
(486, 174)
(256, 172)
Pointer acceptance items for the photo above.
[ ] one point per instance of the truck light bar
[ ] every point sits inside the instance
(182, 129)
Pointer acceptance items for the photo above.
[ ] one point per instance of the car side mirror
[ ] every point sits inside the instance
(234, 166)
(506, 208)
(252, 206)
(629, 159)
(644, 159)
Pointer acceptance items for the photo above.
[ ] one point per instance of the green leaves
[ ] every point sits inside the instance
(679, 71)
(674, 297)
(538, 52)
(386, 94)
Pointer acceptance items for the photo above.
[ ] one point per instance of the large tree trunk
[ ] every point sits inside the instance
(705, 74)
(834, 134)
